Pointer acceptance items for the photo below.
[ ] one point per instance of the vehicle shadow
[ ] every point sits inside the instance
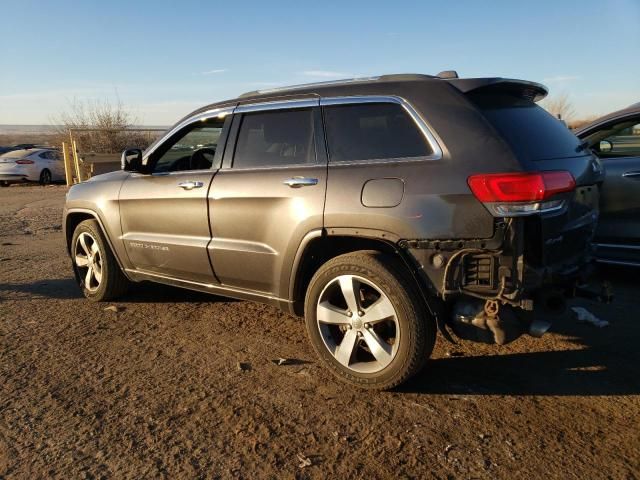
(600, 362)
(144, 292)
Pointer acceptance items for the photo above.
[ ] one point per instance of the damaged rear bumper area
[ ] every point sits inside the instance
(494, 290)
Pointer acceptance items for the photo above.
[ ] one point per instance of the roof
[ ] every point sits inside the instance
(630, 110)
(23, 153)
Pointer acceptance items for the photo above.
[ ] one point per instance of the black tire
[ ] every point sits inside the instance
(417, 328)
(45, 177)
(4, 184)
(113, 283)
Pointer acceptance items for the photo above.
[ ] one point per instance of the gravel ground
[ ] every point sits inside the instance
(176, 384)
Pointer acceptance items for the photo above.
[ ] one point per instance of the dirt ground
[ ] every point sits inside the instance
(184, 385)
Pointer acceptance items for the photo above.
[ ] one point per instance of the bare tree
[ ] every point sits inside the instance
(559, 106)
(109, 125)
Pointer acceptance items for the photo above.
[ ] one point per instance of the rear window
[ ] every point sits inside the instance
(531, 132)
(372, 131)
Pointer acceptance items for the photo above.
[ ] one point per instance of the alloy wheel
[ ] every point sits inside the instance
(88, 260)
(358, 324)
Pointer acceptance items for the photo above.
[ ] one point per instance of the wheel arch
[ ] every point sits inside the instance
(74, 217)
(323, 246)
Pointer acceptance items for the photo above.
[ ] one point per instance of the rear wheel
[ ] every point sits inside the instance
(366, 320)
(45, 177)
(95, 267)
(4, 184)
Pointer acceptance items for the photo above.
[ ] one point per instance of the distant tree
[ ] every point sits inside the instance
(559, 106)
(110, 125)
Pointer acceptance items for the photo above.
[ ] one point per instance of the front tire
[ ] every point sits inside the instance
(366, 320)
(96, 269)
(45, 177)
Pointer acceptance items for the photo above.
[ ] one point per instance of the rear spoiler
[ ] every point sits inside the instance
(521, 88)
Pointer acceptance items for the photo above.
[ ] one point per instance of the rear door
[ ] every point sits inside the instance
(164, 214)
(618, 146)
(269, 194)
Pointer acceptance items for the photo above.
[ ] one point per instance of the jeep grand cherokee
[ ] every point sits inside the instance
(380, 209)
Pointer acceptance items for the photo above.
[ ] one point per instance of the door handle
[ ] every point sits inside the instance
(190, 185)
(297, 182)
(631, 174)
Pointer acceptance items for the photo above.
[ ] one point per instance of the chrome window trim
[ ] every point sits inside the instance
(277, 105)
(202, 116)
(415, 116)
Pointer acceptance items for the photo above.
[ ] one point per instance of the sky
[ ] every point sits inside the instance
(163, 59)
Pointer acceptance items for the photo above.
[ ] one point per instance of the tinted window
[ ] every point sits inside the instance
(192, 149)
(372, 131)
(531, 132)
(275, 138)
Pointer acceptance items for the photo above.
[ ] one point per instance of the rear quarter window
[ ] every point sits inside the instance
(531, 132)
(372, 131)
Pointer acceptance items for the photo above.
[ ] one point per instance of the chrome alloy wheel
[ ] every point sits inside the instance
(358, 324)
(88, 260)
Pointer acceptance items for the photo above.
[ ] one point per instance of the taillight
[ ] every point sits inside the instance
(512, 194)
(24, 162)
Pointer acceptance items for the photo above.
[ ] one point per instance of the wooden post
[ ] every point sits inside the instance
(76, 161)
(68, 167)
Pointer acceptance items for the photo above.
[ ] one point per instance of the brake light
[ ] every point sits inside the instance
(24, 162)
(509, 194)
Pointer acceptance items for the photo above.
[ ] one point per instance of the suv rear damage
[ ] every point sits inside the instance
(545, 216)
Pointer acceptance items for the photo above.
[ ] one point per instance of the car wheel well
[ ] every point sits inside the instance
(322, 249)
(72, 221)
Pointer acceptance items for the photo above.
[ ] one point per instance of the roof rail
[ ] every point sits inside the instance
(446, 74)
(308, 85)
(345, 81)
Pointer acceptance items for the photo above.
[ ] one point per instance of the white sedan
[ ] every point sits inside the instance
(41, 165)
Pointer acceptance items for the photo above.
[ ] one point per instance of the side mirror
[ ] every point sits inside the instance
(605, 146)
(131, 160)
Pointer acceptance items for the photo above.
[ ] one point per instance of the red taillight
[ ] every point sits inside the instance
(520, 187)
(24, 162)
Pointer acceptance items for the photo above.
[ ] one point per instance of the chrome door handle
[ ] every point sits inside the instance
(297, 182)
(631, 174)
(190, 185)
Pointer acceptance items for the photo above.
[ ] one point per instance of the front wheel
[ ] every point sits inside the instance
(95, 267)
(366, 320)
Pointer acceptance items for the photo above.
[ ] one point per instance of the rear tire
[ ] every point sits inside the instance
(96, 269)
(4, 184)
(45, 177)
(390, 335)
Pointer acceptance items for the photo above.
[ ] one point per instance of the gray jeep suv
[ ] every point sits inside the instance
(381, 209)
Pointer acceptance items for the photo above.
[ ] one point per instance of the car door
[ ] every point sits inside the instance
(617, 144)
(268, 195)
(164, 214)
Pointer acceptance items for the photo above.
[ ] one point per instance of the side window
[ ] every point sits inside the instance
(44, 155)
(619, 140)
(275, 138)
(372, 131)
(194, 148)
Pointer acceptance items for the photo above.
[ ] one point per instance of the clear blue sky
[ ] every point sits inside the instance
(165, 58)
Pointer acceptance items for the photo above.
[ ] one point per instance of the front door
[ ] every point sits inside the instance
(268, 195)
(618, 146)
(164, 214)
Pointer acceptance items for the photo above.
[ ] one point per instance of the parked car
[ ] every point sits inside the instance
(615, 139)
(41, 165)
(380, 209)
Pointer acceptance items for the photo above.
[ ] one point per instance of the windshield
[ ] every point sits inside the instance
(531, 132)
